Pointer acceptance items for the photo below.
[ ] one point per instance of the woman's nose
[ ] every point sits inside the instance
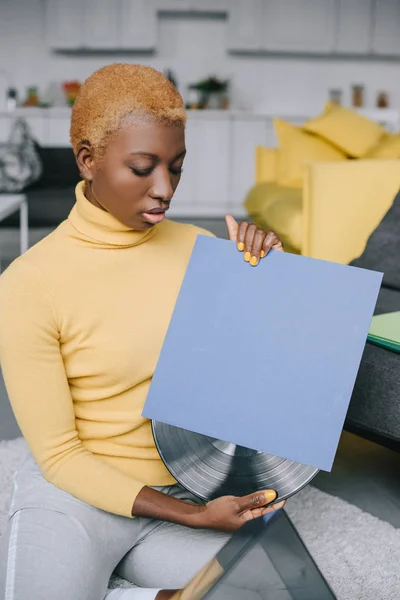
(162, 188)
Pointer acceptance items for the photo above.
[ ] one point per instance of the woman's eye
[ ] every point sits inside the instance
(141, 173)
(145, 172)
(176, 171)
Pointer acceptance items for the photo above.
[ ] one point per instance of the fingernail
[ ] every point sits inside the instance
(240, 246)
(262, 253)
(247, 256)
(254, 261)
(270, 495)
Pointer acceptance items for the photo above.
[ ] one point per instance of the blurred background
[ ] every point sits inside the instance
(279, 56)
(239, 64)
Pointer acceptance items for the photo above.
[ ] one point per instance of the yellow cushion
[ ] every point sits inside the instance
(343, 203)
(353, 134)
(274, 207)
(388, 147)
(296, 148)
(266, 164)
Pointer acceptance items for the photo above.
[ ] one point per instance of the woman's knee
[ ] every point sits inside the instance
(48, 554)
(170, 556)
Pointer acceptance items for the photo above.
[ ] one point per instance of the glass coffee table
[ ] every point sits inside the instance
(265, 560)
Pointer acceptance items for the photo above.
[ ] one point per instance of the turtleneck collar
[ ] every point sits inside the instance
(97, 226)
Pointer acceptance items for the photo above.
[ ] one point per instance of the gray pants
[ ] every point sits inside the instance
(57, 547)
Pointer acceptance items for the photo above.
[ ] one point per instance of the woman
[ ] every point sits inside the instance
(83, 315)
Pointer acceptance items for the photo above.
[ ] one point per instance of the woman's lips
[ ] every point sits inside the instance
(155, 217)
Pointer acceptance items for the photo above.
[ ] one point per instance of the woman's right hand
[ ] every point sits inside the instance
(229, 513)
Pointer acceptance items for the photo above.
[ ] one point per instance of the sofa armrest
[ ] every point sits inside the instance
(343, 202)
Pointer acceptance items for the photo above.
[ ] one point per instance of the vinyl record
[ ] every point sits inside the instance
(210, 468)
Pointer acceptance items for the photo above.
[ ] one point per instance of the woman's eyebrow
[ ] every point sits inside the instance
(151, 155)
(141, 153)
(180, 155)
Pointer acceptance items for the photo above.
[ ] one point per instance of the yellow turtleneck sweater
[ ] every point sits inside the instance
(83, 315)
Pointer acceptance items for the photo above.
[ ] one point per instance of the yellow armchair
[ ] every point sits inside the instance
(335, 212)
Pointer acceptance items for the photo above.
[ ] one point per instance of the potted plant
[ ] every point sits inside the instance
(212, 92)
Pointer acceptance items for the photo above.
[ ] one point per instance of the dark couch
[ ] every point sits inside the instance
(51, 198)
(374, 410)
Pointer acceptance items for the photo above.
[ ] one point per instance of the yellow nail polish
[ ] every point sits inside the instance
(262, 254)
(240, 246)
(247, 256)
(254, 261)
(270, 496)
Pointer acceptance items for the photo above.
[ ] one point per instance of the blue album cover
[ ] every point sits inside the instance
(265, 357)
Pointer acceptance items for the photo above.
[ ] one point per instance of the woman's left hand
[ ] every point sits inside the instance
(253, 241)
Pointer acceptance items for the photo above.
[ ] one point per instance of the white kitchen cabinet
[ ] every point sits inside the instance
(247, 134)
(213, 166)
(58, 130)
(64, 24)
(139, 25)
(38, 127)
(306, 26)
(184, 200)
(354, 35)
(173, 5)
(101, 24)
(203, 190)
(193, 5)
(102, 19)
(245, 25)
(211, 5)
(386, 31)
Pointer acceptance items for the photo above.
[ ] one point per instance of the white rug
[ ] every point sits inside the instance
(358, 553)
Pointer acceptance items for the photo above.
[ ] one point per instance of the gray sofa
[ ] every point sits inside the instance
(374, 410)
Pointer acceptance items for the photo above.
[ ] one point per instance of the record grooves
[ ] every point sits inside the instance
(210, 468)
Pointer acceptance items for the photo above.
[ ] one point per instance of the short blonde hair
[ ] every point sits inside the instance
(117, 91)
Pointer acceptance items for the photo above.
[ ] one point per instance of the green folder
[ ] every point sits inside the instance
(385, 331)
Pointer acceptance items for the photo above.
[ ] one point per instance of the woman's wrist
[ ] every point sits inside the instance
(152, 504)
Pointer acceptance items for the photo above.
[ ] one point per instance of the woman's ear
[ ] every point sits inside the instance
(85, 161)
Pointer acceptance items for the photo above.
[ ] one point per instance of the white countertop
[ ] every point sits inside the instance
(65, 112)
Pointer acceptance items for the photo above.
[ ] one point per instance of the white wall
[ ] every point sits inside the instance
(193, 49)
